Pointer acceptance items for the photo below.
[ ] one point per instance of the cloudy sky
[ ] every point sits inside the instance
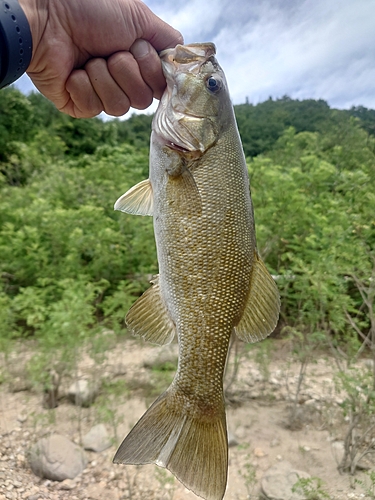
(300, 48)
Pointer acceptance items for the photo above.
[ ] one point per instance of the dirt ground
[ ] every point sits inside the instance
(257, 413)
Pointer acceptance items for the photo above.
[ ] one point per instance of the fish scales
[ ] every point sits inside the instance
(211, 280)
(210, 266)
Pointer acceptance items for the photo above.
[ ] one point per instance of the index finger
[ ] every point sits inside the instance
(149, 65)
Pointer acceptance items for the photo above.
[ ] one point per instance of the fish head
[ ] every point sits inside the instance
(191, 113)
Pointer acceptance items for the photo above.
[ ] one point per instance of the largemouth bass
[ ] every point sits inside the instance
(212, 281)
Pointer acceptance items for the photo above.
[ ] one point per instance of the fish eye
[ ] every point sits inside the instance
(213, 84)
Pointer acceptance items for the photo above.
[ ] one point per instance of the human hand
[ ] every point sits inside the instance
(91, 56)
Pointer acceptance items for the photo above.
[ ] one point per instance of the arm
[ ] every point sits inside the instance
(97, 55)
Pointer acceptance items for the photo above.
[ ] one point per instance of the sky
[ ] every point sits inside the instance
(319, 49)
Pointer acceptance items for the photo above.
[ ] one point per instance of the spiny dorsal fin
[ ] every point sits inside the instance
(138, 200)
(149, 318)
(263, 305)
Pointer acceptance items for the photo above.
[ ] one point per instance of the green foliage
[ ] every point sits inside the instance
(311, 488)
(69, 262)
(261, 125)
(315, 223)
(61, 326)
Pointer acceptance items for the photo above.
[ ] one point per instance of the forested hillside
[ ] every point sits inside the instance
(69, 263)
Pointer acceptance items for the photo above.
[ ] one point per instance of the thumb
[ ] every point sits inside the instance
(153, 29)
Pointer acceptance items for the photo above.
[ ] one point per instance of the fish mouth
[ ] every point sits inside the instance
(186, 54)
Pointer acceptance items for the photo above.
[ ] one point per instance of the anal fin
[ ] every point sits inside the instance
(149, 317)
(262, 309)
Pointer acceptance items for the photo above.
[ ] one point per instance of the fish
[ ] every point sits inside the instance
(212, 283)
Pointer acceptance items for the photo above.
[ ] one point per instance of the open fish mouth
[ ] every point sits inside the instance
(172, 59)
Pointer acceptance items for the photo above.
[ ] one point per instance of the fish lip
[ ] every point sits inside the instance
(185, 54)
(197, 53)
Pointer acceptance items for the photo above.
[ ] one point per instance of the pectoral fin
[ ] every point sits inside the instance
(138, 200)
(149, 317)
(185, 194)
(263, 305)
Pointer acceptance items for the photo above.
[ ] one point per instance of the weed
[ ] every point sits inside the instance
(311, 488)
(166, 481)
(368, 484)
(248, 471)
(106, 405)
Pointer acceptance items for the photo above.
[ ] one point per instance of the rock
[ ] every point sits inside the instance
(83, 393)
(338, 451)
(259, 453)
(67, 484)
(369, 363)
(22, 418)
(57, 458)
(97, 439)
(310, 402)
(277, 482)
(232, 440)
(19, 384)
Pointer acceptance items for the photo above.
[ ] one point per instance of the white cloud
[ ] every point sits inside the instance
(303, 48)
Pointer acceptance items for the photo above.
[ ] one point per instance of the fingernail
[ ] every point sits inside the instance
(140, 48)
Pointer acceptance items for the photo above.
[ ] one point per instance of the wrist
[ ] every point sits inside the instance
(15, 42)
(36, 12)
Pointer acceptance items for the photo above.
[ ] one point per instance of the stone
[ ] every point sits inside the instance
(278, 480)
(67, 484)
(232, 440)
(338, 451)
(97, 439)
(56, 458)
(259, 453)
(20, 384)
(82, 392)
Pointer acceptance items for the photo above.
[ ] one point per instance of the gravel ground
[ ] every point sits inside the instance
(257, 421)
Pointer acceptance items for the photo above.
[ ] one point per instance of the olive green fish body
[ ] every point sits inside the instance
(205, 259)
(211, 280)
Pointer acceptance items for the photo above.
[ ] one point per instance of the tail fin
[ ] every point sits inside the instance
(194, 449)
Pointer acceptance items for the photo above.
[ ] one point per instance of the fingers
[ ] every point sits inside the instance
(84, 101)
(149, 66)
(126, 79)
(114, 100)
(125, 71)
